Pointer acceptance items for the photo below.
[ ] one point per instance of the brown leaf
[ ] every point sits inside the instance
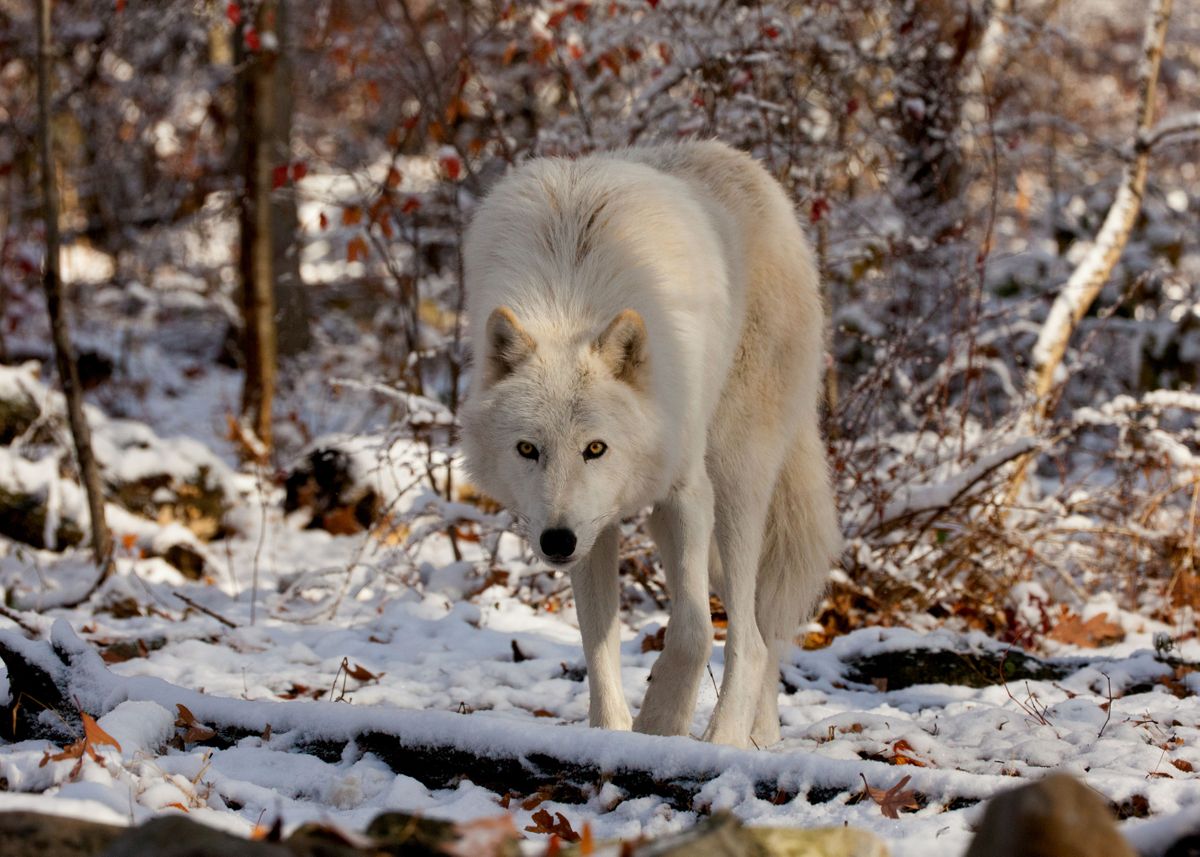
(557, 824)
(361, 673)
(1095, 632)
(196, 731)
(94, 736)
(654, 642)
(894, 799)
(1183, 765)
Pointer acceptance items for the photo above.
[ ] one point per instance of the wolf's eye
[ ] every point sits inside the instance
(527, 450)
(595, 449)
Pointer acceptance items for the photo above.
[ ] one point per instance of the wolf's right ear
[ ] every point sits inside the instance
(508, 345)
(622, 346)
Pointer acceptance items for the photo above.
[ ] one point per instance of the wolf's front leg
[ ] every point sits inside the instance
(682, 529)
(594, 581)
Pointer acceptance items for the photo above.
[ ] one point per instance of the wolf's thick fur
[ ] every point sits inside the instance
(648, 332)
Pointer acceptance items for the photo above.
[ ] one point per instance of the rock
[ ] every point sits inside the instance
(723, 835)
(187, 559)
(1057, 816)
(399, 832)
(175, 836)
(18, 412)
(820, 842)
(31, 834)
(23, 519)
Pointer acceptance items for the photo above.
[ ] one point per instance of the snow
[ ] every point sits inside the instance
(434, 657)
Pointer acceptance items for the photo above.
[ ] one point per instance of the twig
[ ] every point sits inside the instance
(14, 616)
(1108, 709)
(190, 603)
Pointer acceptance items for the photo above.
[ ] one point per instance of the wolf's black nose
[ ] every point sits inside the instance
(558, 544)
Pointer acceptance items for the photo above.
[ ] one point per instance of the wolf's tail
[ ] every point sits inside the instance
(801, 540)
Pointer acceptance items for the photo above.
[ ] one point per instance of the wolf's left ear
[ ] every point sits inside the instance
(622, 347)
(508, 345)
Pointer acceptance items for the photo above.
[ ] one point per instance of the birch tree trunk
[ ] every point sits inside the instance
(1089, 277)
(64, 354)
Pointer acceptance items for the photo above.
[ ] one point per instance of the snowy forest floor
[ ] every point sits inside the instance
(444, 641)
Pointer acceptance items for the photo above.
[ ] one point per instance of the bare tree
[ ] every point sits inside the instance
(258, 54)
(1090, 275)
(64, 354)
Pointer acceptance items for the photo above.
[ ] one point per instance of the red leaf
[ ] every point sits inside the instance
(394, 177)
(820, 206)
(233, 12)
(120, 6)
(410, 205)
(323, 220)
(653, 3)
(451, 166)
(253, 42)
(279, 176)
(299, 170)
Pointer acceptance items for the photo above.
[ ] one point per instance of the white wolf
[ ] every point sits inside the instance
(648, 332)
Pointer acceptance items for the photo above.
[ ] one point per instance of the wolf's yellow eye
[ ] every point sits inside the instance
(595, 449)
(527, 450)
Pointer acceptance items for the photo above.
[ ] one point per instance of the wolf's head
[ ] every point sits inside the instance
(561, 430)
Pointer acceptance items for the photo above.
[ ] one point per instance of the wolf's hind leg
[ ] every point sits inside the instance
(682, 529)
(594, 582)
(766, 717)
(742, 485)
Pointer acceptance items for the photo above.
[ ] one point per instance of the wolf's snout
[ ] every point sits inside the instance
(557, 544)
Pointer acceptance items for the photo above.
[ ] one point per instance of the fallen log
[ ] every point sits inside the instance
(50, 681)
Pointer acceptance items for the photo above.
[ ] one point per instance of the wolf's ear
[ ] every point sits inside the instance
(622, 347)
(508, 345)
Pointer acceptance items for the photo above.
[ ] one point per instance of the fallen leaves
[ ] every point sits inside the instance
(194, 730)
(93, 737)
(556, 824)
(1093, 633)
(892, 800)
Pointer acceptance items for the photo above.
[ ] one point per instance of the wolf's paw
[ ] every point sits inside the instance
(764, 736)
(620, 721)
(652, 722)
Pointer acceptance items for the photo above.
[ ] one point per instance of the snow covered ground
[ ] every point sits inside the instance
(409, 629)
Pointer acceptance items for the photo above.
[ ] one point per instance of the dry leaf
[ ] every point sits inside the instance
(195, 731)
(361, 673)
(903, 754)
(894, 799)
(557, 824)
(1095, 632)
(654, 642)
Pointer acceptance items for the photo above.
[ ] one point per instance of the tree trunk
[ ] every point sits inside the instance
(256, 128)
(291, 298)
(64, 354)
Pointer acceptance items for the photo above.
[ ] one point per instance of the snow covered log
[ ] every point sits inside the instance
(51, 681)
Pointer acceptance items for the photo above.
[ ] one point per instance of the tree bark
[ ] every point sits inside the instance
(256, 128)
(293, 332)
(64, 354)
